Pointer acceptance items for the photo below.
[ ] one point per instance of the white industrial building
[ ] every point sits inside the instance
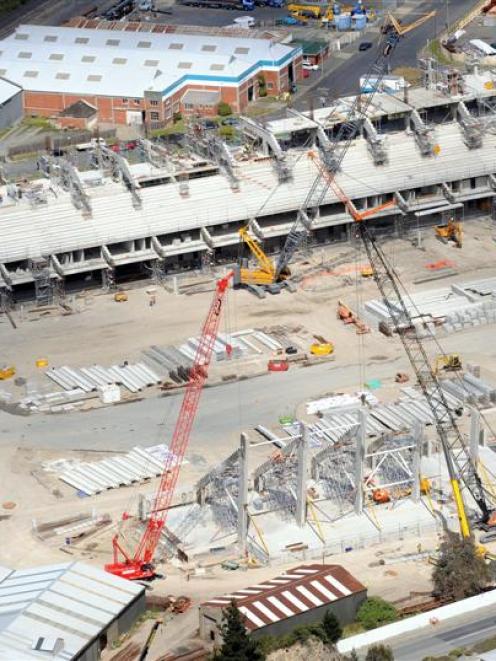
(65, 611)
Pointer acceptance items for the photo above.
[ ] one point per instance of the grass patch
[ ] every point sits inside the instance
(484, 646)
(410, 74)
(352, 629)
(39, 123)
(438, 52)
(177, 127)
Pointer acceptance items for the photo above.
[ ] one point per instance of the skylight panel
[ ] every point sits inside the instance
(31, 74)
(51, 38)
(113, 42)
(24, 55)
(217, 67)
(21, 36)
(56, 56)
(151, 63)
(81, 40)
(241, 50)
(184, 65)
(119, 60)
(88, 58)
(63, 76)
(176, 46)
(144, 44)
(211, 48)
(94, 78)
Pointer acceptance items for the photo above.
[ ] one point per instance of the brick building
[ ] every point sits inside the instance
(142, 77)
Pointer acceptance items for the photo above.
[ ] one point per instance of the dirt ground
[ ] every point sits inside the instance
(106, 332)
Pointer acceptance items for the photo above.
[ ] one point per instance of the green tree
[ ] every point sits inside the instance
(379, 653)
(236, 644)
(461, 570)
(262, 86)
(224, 109)
(375, 612)
(331, 628)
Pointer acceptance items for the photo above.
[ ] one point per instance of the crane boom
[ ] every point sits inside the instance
(460, 465)
(348, 129)
(140, 565)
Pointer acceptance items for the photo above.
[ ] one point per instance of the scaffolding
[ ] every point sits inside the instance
(40, 269)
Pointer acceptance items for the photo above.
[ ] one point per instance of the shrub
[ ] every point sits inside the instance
(375, 612)
(379, 653)
(460, 571)
(224, 109)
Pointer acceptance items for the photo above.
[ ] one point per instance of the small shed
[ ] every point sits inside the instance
(300, 596)
(79, 115)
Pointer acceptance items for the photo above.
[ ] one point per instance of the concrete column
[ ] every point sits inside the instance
(301, 478)
(243, 494)
(418, 434)
(474, 434)
(361, 441)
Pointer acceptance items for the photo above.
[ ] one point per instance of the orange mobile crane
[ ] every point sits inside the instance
(140, 565)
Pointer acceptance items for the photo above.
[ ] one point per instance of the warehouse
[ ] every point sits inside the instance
(64, 611)
(300, 596)
(59, 66)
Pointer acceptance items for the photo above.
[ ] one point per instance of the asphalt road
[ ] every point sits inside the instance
(345, 79)
(460, 632)
(224, 412)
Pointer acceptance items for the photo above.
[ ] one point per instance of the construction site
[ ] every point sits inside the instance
(224, 362)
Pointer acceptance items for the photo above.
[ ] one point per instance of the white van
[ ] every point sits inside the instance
(245, 22)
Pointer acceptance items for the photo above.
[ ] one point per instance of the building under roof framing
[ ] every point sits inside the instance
(134, 77)
(299, 596)
(177, 223)
(66, 611)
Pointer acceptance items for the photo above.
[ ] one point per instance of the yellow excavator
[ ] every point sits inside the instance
(266, 271)
(450, 362)
(451, 231)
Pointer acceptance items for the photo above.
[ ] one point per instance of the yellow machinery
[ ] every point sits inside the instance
(303, 11)
(265, 274)
(7, 372)
(120, 297)
(449, 363)
(322, 349)
(451, 231)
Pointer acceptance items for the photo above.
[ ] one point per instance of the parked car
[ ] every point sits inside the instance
(230, 121)
(365, 45)
(209, 124)
(131, 144)
(115, 148)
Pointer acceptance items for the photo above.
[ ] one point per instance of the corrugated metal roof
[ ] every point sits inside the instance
(71, 601)
(298, 590)
(109, 63)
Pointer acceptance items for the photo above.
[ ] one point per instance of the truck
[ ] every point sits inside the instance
(92, 144)
(238, 5)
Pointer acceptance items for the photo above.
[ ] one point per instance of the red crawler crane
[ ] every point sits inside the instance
(140, 565)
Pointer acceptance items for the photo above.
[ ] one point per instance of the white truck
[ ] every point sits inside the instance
(94, 142)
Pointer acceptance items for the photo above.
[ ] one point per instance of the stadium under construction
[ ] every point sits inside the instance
(430, 152)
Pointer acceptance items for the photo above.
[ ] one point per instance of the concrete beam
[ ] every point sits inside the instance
(242, 500)
(301, 477)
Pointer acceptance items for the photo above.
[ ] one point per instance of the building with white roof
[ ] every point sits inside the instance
(133, 77)
(66, 611)
(299, 596)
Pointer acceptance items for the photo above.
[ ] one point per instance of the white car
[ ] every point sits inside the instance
(310, 67)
